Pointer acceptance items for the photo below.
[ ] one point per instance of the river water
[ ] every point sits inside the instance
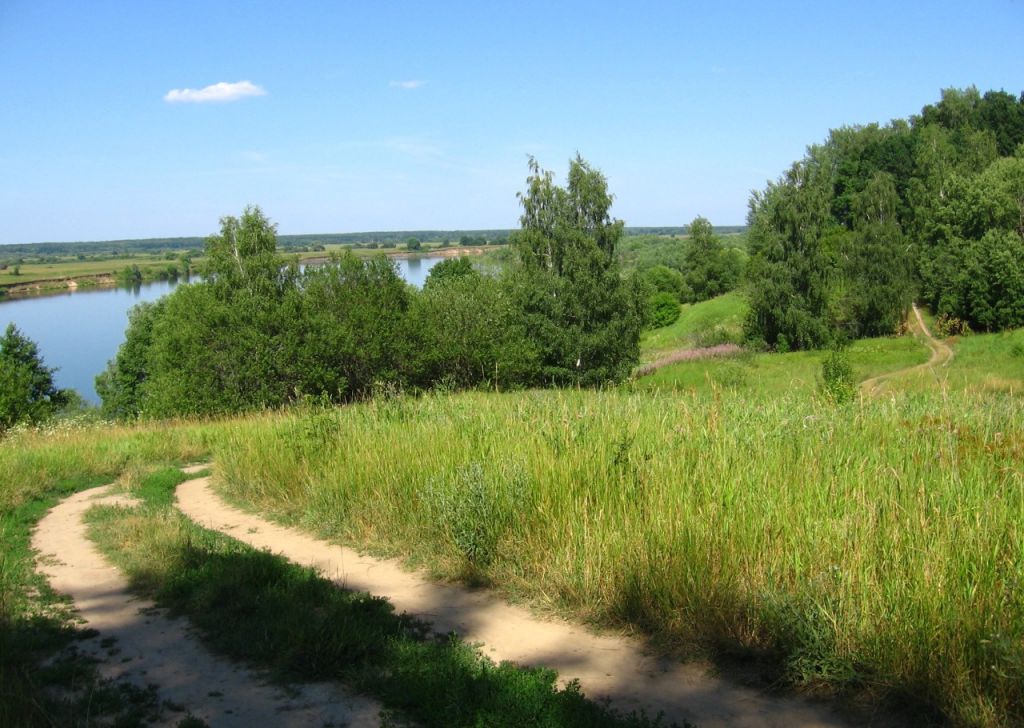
(78, 332)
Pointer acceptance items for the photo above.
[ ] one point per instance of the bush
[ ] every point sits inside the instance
(837, 377)
(27, 391)
(662, 310)
(946, 325)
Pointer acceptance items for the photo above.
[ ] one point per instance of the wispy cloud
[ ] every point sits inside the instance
(407, 85)
(217, 92)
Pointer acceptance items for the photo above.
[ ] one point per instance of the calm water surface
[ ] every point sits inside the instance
(79, 331)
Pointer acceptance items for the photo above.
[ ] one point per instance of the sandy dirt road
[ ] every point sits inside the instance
(610, 667)
(941, 355)
(139, 643)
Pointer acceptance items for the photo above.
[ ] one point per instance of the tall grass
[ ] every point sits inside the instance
(875, 546)
(37, 468)
(302, 627)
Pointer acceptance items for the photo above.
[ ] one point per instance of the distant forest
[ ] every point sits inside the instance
(289, 242)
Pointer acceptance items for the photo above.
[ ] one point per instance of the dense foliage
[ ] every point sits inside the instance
(844, 238)
(579, 312)
(27, 391)
(259, 332)
(690, 269)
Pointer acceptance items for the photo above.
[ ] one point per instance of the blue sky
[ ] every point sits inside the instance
(389, 116)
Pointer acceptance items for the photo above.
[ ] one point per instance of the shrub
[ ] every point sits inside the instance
(662, 310)
(947, 325)
(27, 391)
(837, 377)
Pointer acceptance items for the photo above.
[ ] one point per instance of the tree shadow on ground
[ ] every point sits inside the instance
(254, 606)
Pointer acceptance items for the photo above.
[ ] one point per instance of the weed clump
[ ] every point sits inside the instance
(837, 377)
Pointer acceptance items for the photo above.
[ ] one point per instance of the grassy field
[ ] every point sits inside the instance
(287, 619)
(874, 547)
(70, 267)
(717, 321)
(793, 374)
(720, 320)
(720, 507)
(981, 363)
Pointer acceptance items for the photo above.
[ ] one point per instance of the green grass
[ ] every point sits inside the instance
(71, 267)
(873, 547)
(717, 321)
(759, 374)
(286, 618)
(719, 507)
(37, 468)
(982, 363)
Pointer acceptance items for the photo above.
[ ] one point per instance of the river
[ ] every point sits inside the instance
(79, 331)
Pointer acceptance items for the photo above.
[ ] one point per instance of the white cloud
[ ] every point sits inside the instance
(407, 85)
(222, 91)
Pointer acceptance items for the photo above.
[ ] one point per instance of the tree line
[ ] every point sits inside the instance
(931, 206)
(258, 331)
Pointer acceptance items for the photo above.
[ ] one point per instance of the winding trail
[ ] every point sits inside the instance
(612, 667)
(941, 355)
(141, 644)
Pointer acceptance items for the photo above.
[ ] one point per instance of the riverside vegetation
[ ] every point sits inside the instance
(871, 547)
(862, 543)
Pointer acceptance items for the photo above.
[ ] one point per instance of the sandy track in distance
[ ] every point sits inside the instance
(153, 649)
(941, 355)
(607, 666)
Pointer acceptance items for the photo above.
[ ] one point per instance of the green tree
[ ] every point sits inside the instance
(662, 279)
(449, 268)
(346, 329)
(413, 244)
(120, 384)
(662, 310)
(212, 347)
(27, 391)
(566, 282)
(466, 331)
(711, 270)
(792, 266)
(877, 275)
(243, 258)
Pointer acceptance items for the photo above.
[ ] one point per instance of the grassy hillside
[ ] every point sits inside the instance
(794, 373)
(718, 506)
(872, 545)
(707, 323)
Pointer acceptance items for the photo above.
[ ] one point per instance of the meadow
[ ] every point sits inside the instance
(717, 321)
(872, 547)
(56, 269)
(871, 550)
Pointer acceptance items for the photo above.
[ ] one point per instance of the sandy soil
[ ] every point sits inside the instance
(610, 667)
(149, 648)
(941, 355)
